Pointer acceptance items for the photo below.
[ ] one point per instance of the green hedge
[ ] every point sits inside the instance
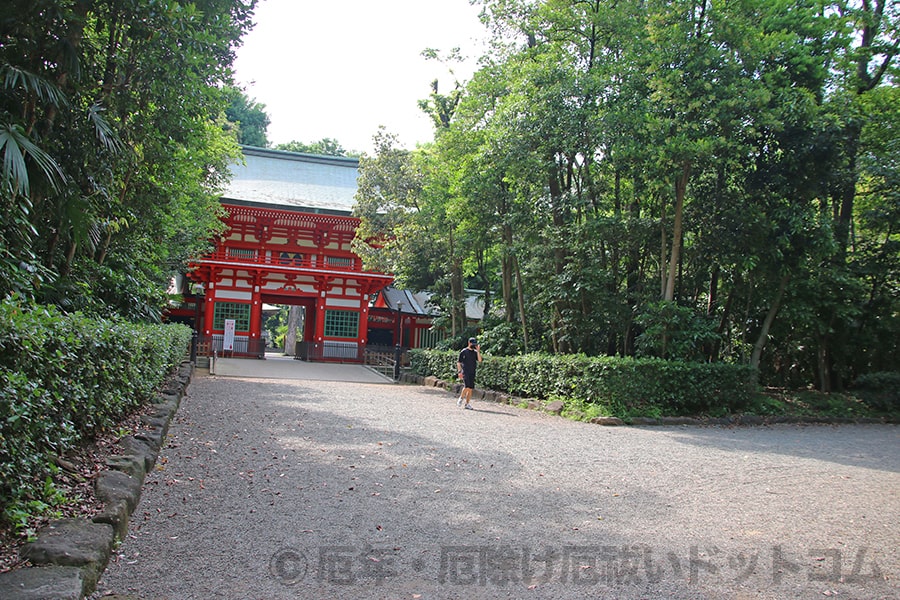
(880, 391)
(64, 377)
(624, 387)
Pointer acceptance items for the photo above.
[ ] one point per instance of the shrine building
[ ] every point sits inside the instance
(289, 228)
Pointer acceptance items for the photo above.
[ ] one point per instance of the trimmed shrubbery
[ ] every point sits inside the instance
(63, 378)
(622, 387)
(880, 391)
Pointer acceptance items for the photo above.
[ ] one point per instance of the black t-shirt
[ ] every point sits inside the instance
(468, 357)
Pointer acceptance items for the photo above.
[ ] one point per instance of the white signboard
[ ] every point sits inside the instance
(228, 343)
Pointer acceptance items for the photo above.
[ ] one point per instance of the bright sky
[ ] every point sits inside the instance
(339, 70)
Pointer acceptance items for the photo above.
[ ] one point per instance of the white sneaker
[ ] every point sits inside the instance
(459, 402)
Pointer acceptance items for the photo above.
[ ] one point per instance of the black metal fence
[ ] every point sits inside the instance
(387, 360)
(243, 346)
(331, 351)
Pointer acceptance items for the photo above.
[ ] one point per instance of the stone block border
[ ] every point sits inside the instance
(556, 407)
(69, 555)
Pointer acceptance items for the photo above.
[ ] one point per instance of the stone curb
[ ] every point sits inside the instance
(69, 555)
(556, 407)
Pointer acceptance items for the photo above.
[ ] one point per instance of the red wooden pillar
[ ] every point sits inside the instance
(209, 308)
(255, 317)
(255, 308)
(363, 329)
(320, 312)
(309, 323)
(320, 319)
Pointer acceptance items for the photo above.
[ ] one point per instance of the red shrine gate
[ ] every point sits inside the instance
(289, 228)
(284, 256)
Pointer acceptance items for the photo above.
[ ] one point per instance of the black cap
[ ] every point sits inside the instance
(473, 341)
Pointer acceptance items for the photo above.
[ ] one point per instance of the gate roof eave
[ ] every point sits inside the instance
(371, 275)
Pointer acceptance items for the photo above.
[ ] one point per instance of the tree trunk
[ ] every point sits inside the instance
(872, 53)
(767, 323)
(554, 330)
(846, 193)
(486, 282)
(458, 296)
(74, 38)
(723, 322)
(712, 299)
(506, 283)
(101, 254)
(70, 258)
(506, 274)
(52, 243)
(113, 50)
(457, 292)
(822, 365)
(663, 248)
(633, 276)
(711, 347)
(559, 257)
(290, 337)
(675, 256)
(104, 248)
(521, 294)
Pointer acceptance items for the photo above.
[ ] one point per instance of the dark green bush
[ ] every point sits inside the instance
(880, 391)
(63, 378)
(625, 387)
(441, 364)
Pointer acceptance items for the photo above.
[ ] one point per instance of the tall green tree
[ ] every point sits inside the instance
(249, 116)
(405, 224)
(114, 127)
(865, 56)
(325, 146)
(722, 126)
(669, 178)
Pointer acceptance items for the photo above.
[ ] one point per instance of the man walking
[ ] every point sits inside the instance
(469, 357)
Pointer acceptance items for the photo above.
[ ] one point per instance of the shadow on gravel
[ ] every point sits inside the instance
(866, 446)
(287, 490)
(486, 411)
(373, 484)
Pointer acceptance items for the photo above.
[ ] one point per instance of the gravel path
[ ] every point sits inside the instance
(278, 489)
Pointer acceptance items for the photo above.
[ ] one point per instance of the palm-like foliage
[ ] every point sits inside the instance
(18, 150)
(111, 145)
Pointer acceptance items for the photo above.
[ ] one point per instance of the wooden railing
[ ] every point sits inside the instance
(387, 360)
